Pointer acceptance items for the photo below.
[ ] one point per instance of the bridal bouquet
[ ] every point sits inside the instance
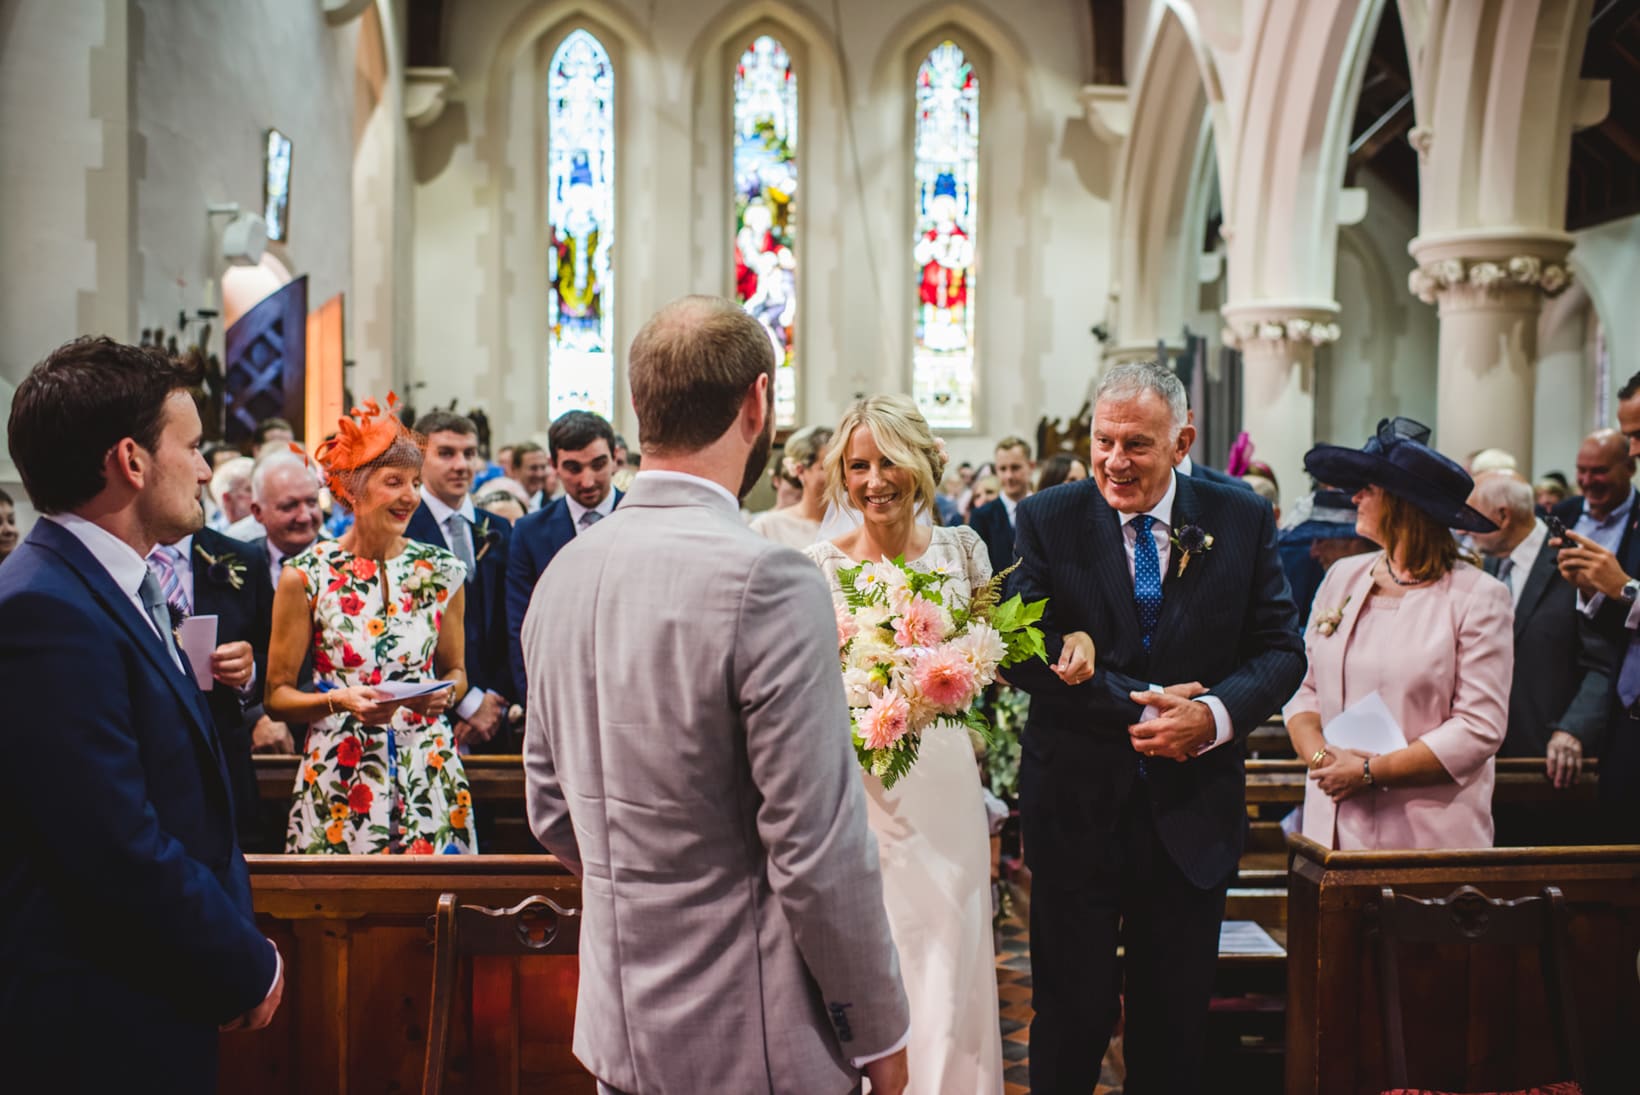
(911, 655)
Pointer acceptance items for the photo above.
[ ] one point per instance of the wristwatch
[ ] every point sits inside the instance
(1631, 590)
(1366, 771)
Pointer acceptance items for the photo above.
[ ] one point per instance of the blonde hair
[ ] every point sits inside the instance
(902, 433)
(805, 445)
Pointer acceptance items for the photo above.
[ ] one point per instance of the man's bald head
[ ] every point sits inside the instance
(1604, 471)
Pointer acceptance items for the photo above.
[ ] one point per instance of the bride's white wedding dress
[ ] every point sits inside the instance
(936, 861)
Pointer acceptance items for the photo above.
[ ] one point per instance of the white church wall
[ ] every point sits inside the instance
(1564, 394)
(209, 79)
(1606, 260)
(480, 277)
(1383, 363)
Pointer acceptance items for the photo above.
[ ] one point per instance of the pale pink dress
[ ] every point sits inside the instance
(1441, 658)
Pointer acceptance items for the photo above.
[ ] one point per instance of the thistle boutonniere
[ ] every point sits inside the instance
(177, 617)
(1189, 540)
(487, 539)
(1327, 622)
(226, 569)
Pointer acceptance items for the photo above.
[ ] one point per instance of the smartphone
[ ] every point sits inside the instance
(1557, 530)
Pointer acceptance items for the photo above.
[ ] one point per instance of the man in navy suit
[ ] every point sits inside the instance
(127, 935)
(1172, 635)
(448, 519)
(208, 574)
(994, 521)
(1601, 557)
(582, 448)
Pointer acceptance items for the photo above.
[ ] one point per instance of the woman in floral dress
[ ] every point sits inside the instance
(378, 775)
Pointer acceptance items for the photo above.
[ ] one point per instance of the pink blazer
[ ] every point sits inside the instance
(1450, 666)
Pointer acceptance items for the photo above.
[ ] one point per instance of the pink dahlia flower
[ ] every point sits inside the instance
(885, 721)
(921, 624)
(947, 679)
(846, 627)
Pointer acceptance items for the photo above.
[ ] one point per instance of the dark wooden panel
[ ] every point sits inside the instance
(1475, 1019)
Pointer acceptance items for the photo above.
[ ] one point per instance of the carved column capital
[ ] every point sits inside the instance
(1485, 268)
(1302, 327)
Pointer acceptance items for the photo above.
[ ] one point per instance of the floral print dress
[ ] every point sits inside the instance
(389, 789)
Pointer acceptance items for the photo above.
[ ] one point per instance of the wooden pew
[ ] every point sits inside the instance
(359, 965)
(1475, 1020)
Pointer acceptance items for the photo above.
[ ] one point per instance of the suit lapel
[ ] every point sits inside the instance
(424, 528)
(1179, 590)
(117, 604)
(1537, 584)
(1110, 561)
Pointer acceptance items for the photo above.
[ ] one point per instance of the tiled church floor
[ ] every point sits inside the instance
(1014, 995)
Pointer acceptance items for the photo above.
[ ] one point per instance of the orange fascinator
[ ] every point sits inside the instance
(365, 440)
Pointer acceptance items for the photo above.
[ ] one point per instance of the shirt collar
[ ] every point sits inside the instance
(576, 509)
(1162, 511)
(684, 477)
(1187, 466)
(117, 557)
(1010, 505)
(1526, 552)
(442, 513)
(1621, 513)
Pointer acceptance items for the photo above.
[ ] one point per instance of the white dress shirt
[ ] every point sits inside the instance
(1162, 529)
(603, 509)
(442, 513)
(1009, 505)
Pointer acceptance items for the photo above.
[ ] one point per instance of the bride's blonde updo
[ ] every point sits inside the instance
(902, 433)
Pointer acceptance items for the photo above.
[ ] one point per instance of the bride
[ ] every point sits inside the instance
(930, 828)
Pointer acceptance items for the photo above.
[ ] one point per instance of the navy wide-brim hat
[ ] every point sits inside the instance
(1398, 459)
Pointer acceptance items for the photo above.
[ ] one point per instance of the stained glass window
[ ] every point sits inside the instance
(276, 185)
(765, 182)
(946, 158)
(581, 213)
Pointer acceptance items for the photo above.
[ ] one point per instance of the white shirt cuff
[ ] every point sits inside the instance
(249, 685)
(1221, 723)
(862, 1062)
(1632, 620)
(470, 703)
(1590, 604)
(278, 971)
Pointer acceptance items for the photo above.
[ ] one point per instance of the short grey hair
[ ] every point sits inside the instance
(1505, 490)
(273, 462)
(232, 475)
(1132, 379)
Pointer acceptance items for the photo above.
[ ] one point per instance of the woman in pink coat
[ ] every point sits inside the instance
(1430, 633)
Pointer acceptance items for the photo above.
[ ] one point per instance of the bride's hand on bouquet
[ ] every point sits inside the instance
(370, 706)
(1076, 660)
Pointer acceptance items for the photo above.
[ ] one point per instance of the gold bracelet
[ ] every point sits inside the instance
(330, 704)
(1320, 755)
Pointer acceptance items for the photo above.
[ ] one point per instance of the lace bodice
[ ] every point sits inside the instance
(959, 548)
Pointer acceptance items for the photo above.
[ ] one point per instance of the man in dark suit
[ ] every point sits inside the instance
(1557, 700)
(1604, 565)
(208, 574)
(1132, 786)
(448, 519)
(127, 935)
(582, 447)
(994, 521)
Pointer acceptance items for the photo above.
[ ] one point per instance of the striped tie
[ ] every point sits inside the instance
(163, 562)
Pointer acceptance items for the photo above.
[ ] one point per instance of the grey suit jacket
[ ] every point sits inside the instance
(687, 755)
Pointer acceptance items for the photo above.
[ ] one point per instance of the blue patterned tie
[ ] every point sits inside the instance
(1147, 576)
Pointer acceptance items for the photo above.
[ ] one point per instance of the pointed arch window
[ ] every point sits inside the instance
(581, 216)
(946, 179)
(764, 173)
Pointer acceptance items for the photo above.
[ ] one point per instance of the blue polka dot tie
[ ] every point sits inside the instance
(1147, 576)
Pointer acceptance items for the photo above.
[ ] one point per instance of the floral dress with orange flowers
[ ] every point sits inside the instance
(389, 789)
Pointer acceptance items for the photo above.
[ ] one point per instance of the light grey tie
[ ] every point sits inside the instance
(456, 532)
(589, 518)
(1506, 573)
(153, 599)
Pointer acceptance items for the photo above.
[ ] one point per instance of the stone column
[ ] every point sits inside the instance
(1489, 287)
(1277, 344)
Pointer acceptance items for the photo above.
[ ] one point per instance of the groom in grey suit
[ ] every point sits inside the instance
(687, 755)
